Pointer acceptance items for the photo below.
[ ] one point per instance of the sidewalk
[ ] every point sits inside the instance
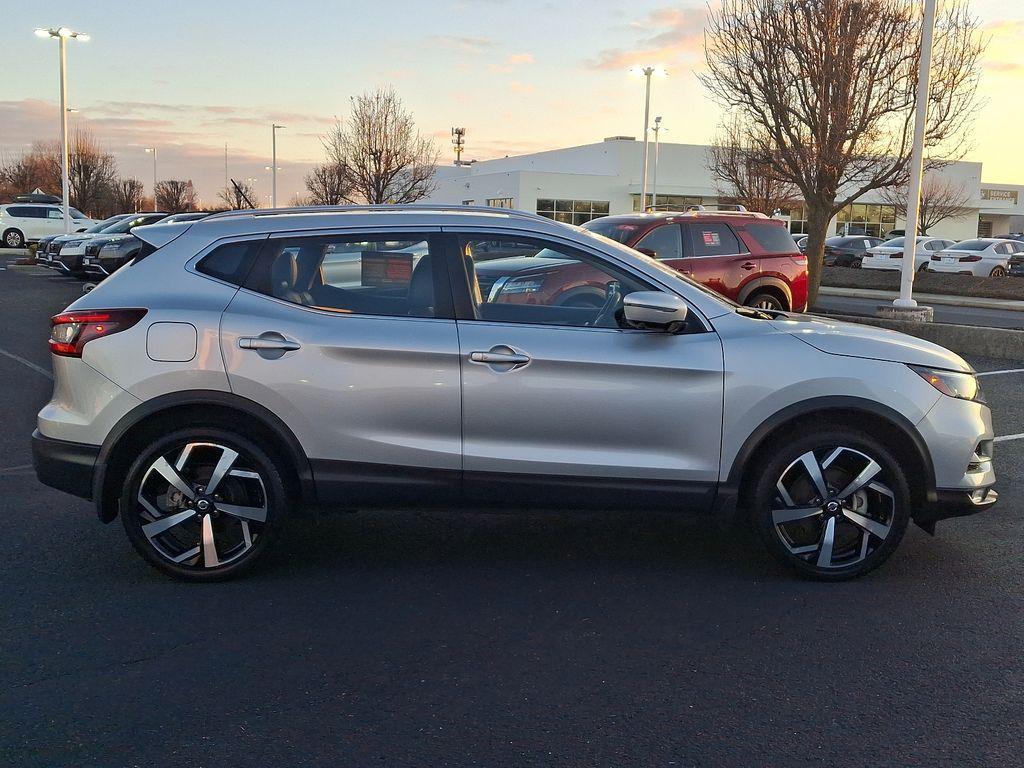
(928, 298)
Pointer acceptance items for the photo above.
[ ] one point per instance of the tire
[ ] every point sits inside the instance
(855, 264)
(997, 272)
(190, 545)
(866, 524)
(14, 239)
(765, 300)
(923, 268)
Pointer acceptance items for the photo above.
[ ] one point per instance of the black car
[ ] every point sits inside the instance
(71, 257)
(104, 255)
(848, 250)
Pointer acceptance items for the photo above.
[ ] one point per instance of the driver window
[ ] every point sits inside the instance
(530, 281)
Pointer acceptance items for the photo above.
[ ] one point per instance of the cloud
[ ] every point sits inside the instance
(511, 62)
(473, 46)
(666, 36)
(521, 88)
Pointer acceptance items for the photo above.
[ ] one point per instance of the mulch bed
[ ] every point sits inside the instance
(926, 282)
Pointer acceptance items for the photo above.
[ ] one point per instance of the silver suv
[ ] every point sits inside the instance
(251, 365)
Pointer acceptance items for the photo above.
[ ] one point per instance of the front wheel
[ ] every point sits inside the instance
(14, 239)
(202, 504)
(831, 505)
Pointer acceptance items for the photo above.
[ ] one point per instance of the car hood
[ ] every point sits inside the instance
(517, 264)
(835, 337)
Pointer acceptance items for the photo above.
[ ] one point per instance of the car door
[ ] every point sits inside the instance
(717, 258)
(53, 223)
(563, 406)
(23, 219)
(350, 339)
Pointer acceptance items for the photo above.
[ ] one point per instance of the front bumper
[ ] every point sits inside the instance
(954, 502)
(63, 465)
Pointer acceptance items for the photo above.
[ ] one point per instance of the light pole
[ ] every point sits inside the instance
(152, 151)
(646, 72)
(906, 300)
(273, 164)
(654, 180)
(62, 34)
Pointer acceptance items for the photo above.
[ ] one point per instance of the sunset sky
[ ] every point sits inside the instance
(189, 76)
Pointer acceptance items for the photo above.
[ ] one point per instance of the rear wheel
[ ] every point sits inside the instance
(765, 300)
(202, 504)
(997, 272)
(14, 239)
(831, 505)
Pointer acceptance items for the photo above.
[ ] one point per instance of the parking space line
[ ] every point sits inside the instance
(27, 363)
(996, 373)
(20, 469)
(1001, 438)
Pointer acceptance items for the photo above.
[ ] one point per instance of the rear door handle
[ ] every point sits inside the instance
(748, 265)
(259, 342)
(499, 358)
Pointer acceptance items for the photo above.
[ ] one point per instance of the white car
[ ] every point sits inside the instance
(22, 223)
(889, 255)
(981, 257)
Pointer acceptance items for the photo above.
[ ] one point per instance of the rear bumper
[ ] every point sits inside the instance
(63, 465)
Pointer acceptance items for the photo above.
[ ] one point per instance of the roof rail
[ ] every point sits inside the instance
(402, 208)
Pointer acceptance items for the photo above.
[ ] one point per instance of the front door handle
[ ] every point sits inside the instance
(270, 345)
(748, 265)
(501, 357)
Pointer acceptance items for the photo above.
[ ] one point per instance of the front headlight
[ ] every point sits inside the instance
(520, 285)
(964, 386)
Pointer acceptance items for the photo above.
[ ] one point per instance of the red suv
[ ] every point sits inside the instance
(744, 256)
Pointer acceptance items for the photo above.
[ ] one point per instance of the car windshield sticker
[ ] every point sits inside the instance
(711, 238)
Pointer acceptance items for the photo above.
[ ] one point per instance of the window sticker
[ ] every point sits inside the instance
(711, 238)
(381, 268)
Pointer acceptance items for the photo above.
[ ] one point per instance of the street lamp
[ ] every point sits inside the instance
(646, 72)
(152, 151)
(273, 164)
(654, 180)
(61, 34)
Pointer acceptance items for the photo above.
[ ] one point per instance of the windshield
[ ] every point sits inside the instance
(102, 225)
(126, 225)
(896, 242)
(972, 245)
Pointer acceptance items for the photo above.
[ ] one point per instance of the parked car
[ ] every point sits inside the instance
(69, 260)
(801, 243)
(889, 255)
(847, 251)
(746, 257)
(223, 382)
(981, 257)
(1015, 266)
(104, 255)
(22, 223)
(48, 247)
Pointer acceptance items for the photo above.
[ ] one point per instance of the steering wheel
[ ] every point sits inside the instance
(613, 298)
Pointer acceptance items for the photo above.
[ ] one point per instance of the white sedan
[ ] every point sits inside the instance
(889, 255)
(981, 257)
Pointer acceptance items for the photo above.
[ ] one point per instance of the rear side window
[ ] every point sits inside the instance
(775, 238)
(713, 239)
(230, 262)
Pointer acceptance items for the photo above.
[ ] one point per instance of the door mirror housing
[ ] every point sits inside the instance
(655, 309)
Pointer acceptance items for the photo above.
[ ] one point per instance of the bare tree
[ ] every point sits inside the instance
(328, 184)
(30, 170)
(384, 157)
(126, 195)
(941, 199)
(91, 171)
(829, 88)
(744, 173)
(239, 195)
(175, 195)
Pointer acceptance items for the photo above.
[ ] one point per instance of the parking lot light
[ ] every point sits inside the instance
(152, 150)
(62, 35)
(647, 72)
(273, 164)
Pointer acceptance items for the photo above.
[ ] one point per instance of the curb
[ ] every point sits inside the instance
(979, 341)
(978, 302)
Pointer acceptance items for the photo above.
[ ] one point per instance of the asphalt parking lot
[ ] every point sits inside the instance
(524, 638)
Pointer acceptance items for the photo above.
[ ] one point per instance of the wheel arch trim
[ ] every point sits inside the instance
(766, 281)
(297, 456)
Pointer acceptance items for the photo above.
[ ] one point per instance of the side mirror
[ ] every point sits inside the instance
(655, 309)
(648, 252)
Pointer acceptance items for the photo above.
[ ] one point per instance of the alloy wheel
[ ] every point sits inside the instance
(764, 301)
(202, 505)
(833, 507)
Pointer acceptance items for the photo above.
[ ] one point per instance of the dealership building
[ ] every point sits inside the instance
(577, 184)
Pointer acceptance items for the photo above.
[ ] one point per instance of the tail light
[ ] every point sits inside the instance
(71, 331)
(897, 255)
(937, 257)
(970, 258)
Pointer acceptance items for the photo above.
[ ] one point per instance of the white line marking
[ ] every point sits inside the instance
(27, 363)
(16, 470)
(996, 373)
(1008, 437)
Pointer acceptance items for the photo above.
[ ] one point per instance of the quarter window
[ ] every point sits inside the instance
(543, 283)
(774, 238)
(230, 262)
(389, 275)
(713, 239)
